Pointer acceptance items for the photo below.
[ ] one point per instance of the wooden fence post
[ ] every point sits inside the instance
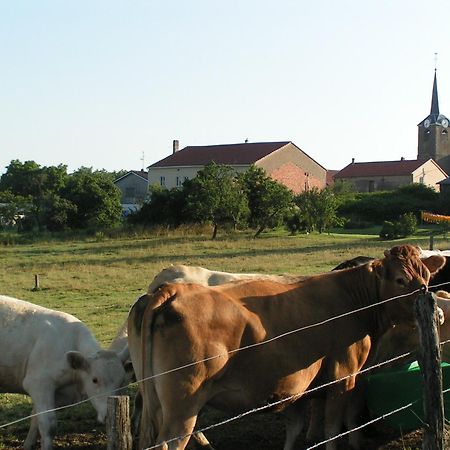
(429, 358)
(37, 284)
(431, 242)
(118, 429)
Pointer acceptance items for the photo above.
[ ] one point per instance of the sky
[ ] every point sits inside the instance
(110, 84)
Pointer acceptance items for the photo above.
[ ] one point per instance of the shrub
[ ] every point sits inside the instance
(405, 226)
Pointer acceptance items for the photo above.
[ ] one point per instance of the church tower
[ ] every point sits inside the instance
(434, 141)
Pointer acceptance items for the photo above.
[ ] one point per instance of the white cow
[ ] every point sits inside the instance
(54, 358)
(199, 275)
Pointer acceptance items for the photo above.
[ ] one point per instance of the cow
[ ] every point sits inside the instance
(54, 358)
(396, 341)
(180, 273)
(189, 325)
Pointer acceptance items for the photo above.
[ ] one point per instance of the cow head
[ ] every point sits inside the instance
(99, 376)
(403, 272)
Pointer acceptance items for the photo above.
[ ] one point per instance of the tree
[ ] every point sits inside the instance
(317, 209)
(268, 200)
(216, 195)
(37, 189)
(165, 207)
(96, 198)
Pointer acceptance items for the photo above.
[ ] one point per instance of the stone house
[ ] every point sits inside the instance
(282, 161)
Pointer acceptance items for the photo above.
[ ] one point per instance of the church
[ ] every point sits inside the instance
(431, 167)
(433, 139)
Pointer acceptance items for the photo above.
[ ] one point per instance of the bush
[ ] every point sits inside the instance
(405, 226)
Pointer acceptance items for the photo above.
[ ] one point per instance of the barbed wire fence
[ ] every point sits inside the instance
(436, 442)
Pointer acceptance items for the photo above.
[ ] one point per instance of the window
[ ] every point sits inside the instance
(162, 180)
(421, 180)
(179, 182)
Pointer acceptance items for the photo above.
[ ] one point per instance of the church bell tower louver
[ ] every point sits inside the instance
(433, 139)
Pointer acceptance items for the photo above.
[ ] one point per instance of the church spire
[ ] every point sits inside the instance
(434, 98)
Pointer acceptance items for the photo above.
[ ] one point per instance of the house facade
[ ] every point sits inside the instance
(134, 188)
(388, 175)
(282, 161)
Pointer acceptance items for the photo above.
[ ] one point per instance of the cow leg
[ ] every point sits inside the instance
(316, 419)
(198, 441)
(334, 409)
(176, 428)
(295, 418)
(42, 395)
(353, 413)
(33, 433)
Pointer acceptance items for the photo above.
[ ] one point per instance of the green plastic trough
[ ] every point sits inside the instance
(391, 389)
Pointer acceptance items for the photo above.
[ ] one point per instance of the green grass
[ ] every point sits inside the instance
(98, 278)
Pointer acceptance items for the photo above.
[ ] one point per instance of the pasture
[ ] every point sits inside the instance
(98, 279)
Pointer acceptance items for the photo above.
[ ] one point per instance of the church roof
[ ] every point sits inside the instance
(435, 117)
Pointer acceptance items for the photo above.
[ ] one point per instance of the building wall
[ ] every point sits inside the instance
(429, 174)
(133, 189)
(292, 167)
(372, 184)
(295, 178)
(171, 177)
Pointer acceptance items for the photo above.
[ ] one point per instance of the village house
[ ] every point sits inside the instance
(282, 161)
(134, 188)
(389, 175)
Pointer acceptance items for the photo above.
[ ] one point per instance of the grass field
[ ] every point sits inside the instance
(97, 280)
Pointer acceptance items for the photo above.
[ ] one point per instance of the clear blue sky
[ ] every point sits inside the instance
(97, 83)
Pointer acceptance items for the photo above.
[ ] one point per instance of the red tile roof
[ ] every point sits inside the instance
(230, 154)
(380, 168)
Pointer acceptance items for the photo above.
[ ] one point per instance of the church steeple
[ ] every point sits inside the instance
(434, 99)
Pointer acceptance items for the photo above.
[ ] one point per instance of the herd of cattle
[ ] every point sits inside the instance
(235, 342)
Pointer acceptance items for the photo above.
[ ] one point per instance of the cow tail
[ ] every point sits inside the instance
(151, 411)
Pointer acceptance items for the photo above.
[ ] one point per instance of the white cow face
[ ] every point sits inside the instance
(100, 376)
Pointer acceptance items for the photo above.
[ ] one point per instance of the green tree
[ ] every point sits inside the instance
(268, 200)
(95, 197)
(215, 195)
(164, 207)
(318, 209)
(37, 189)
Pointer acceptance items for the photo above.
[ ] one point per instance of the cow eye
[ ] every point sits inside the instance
(400, 281)
(95, 380)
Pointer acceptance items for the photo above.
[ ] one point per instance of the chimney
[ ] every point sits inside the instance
(353, 160)
(402, 158)
(176, 145)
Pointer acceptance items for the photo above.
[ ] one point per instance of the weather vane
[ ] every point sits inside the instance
(142, 159)
(435, 61)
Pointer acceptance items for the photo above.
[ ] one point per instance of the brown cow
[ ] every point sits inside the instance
(172, 328)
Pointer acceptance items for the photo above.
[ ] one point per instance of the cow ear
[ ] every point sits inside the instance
(77, 361)
(434, 263)
(124, 355)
